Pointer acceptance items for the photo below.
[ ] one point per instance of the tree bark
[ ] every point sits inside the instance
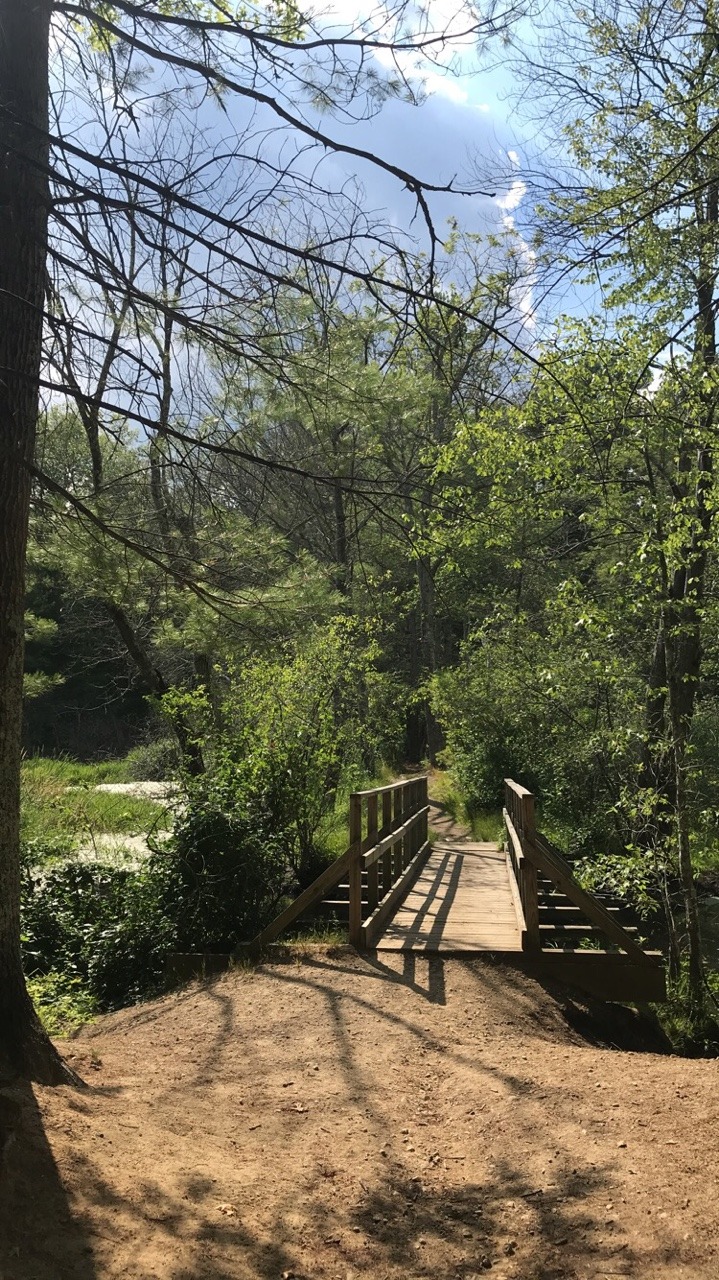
(24, 199)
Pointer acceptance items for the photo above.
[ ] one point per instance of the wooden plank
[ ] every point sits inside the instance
(516, 788)
(313, 894)
(375, 923)
(559, 871)
(461, 901)
(602, 974)
(574, 929)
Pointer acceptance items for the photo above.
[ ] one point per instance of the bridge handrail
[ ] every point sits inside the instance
(389, 840)
(400, 843)
(528, 847)
(523, 878)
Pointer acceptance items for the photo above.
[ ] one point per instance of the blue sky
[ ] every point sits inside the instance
(465, 123)
(464, 131)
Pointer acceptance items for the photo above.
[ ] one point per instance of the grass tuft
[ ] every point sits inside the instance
(60, 808)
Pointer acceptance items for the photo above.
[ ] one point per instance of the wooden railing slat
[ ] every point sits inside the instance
(355, 871)
(387, 855)
(397, 846)
(530, 849)
(402, 834)
(376, 851)
(391, 786)
(308, 898)
(526, 880)
(372, 867)
(374, 924)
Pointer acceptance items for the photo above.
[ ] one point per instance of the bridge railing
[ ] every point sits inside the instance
(388, 845)
(519, 820)
(531, 854)
(389, 832)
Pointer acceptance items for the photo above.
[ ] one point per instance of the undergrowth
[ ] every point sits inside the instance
(485, 824)
(63, 1003)
(692, 1034)
(70, 773)
(60, 807)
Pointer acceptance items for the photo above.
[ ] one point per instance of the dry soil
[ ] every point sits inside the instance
(335, 1117)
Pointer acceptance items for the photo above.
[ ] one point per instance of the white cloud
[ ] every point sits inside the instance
(512, 155)
(445, 86)
(513, 198)
(658, 373)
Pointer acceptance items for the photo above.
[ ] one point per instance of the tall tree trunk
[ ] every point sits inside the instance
(681, 707)
(24, 34)
(341, 574)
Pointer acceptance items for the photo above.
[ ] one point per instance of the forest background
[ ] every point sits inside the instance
(315, 495)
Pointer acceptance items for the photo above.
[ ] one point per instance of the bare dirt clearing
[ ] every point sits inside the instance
(353, 1117)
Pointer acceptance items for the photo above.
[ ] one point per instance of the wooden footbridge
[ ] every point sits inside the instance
(399, 891)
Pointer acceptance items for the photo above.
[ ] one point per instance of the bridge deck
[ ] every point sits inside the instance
(461, 901)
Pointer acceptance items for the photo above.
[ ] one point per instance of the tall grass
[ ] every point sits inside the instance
(70, 773)
(61, 809)
(485, 825)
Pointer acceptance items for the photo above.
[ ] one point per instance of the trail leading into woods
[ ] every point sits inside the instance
(341, 1117)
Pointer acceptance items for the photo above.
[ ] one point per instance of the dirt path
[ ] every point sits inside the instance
(342, 1118)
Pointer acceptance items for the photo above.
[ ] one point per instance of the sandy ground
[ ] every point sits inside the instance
(339, 1117)
(158, 791)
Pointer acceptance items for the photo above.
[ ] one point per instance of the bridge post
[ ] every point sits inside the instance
(423, 801)
(528, 889)
(398, 851)
(355, 872)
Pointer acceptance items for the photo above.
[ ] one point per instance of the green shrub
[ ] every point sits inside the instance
(692, 1035)
(226, 866)
(540, 700)
(290, 736)
(46, 849)
(64, 1004)
(295, 731)
(157, 761)
(102, 925)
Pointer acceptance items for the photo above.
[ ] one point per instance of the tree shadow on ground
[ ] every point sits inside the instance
(600, 1024)
(537, 1233)
(433, 991)
(597, 1023)
(40, 1238)
(390, 1216)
